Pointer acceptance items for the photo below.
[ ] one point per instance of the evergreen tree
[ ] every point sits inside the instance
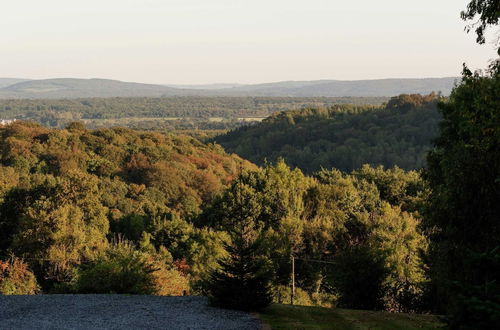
(243, 279)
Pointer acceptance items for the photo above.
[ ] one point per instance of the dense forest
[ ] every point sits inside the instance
(343, 136)
(163, 113)
(116, 210)
(65, 193)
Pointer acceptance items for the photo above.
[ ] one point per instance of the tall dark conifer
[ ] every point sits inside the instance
(243, 279)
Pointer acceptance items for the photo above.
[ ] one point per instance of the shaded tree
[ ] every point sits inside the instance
(462, 218)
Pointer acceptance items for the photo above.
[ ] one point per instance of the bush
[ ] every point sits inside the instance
(16, 278)
(282, 296)
(302, 297)
(122, 269)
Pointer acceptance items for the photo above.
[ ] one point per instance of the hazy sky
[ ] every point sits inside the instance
(207, 41)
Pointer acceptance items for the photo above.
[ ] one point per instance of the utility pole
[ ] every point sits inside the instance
(293, 280)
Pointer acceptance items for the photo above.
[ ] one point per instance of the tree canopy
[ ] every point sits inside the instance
(342, 137)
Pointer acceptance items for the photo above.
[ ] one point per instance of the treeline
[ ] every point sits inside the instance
(114, 210)
(193, 112)
(343, 136)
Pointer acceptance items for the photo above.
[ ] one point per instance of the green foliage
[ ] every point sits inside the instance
(123, 269)
(64, 193)
(243, 279)
(16, 278)
(343, 137)
(282, 295)
(325, 217)
(192, 213)
(395, 234)
(396, 186)
(59, 221)
(462, 216)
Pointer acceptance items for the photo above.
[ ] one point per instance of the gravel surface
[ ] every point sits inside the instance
(118, 312)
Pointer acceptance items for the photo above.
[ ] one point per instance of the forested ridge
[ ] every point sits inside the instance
(343, 136)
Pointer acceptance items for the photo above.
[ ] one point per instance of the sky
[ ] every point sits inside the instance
(252, 41)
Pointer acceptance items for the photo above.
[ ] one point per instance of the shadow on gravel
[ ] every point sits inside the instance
(118, 312)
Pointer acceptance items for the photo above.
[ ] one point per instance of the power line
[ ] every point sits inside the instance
(317, 260)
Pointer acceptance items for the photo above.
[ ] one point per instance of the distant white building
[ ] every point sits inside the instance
(6, 121)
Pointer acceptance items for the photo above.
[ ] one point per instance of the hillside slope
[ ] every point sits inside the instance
(175, 171)
(5, 82)
(343, 137)
(338, 88)
(74, 88)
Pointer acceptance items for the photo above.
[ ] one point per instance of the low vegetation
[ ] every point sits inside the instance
(16, 278)
(124, 269)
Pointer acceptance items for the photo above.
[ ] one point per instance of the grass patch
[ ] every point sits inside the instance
(305, 317)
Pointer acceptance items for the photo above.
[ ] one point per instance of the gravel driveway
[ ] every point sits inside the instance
(118, 312)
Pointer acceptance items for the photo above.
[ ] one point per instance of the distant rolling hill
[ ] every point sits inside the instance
(4, 82)
(76, 88)
(336, 88)
(79, 88)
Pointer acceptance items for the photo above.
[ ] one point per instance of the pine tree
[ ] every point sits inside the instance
(243, 279)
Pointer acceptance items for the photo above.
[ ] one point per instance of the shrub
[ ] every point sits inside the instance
(16, 278)
(282, 296)
(302, 297)
(122, 269)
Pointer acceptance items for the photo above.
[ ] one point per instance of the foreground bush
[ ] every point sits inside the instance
(303, 298)
(16, 278)
(122, 269)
